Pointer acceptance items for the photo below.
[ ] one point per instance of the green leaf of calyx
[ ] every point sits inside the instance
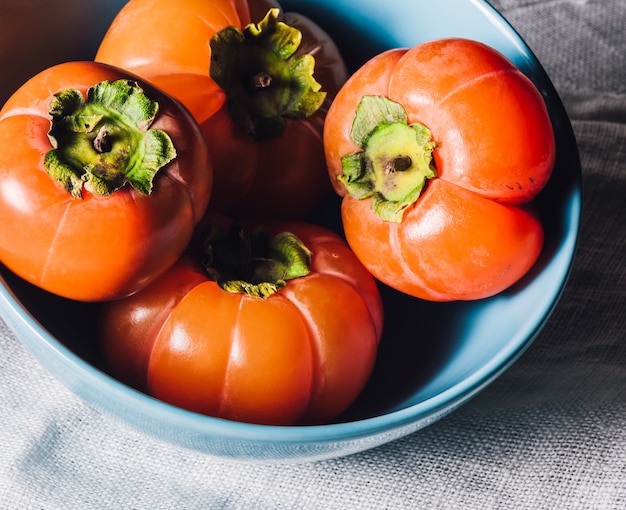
(159, 151)
(270, 33)
(353, 174)
(371, 113)
(127, 98)
(63, 174)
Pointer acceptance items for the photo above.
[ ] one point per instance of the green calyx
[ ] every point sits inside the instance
(395, 162)
(241, 260)
(264, 81)
(105, 141)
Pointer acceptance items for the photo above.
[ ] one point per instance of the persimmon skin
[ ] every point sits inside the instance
(166, 43)
(95, 248)
(491, 122)
(451, 245)
(300, 356)
(495, 152)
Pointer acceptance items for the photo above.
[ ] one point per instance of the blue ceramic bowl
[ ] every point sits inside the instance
(422, 373)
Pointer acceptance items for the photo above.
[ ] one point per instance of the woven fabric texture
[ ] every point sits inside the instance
(550, 433)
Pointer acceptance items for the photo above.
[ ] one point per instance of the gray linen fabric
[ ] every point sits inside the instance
(549, 433)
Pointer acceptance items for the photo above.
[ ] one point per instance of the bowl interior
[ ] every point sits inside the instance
(432, 355)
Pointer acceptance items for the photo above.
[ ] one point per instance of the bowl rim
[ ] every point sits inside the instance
(42, 343)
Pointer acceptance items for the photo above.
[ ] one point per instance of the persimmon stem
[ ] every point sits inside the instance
(398, 164)
(102, 142)
(261, 81)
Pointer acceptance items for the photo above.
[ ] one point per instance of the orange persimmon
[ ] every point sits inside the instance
(102, 181)
(439, 151)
